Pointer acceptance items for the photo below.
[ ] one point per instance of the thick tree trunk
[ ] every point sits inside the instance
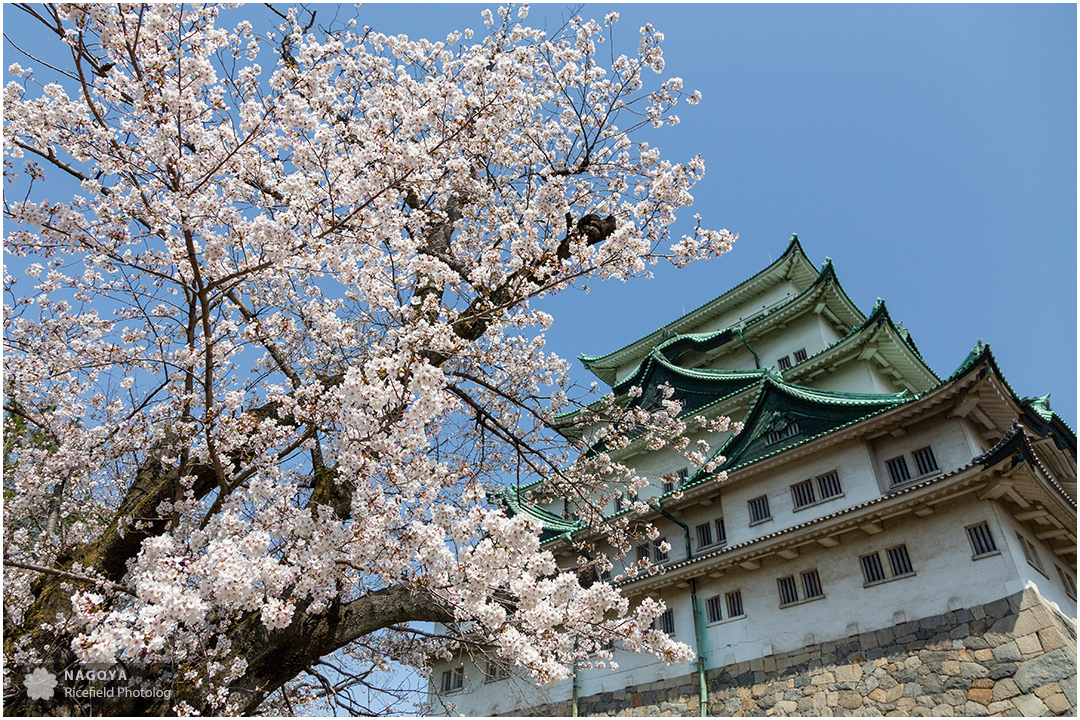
(273, 657)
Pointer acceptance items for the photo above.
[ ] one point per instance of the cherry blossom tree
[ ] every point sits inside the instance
(269, 346)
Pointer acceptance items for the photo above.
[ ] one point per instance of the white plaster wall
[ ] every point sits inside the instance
(945, 436)
(750, 307)
(945, 573)
(848, 459)
(1048, 584)
(946, 577)
(856, 376)
(805, 332)
(480, 697)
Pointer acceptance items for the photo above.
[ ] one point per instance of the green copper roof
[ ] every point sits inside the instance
(972, 359)
(695, 389)
(1041, 406)
(553, 525)
(1035, 411)
(792, 254)
(786, 415)
(879, 317)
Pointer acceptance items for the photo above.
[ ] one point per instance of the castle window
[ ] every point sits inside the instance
(829, 485)
(652, 551)
(1030, 553)
(784, 363)
(618, 503)
(800, 355)
(759, 510)
(665, 623)
(899, 561)
(789, 589)
(924, 461)
(721, 532)
(713, 608)
(803, 494)
(775, 436)
(453, 679)
(982, 542)
(788, 592)
(669, 483)
(898, 470)
(735, 609)
(496, 671)
(871, 568)
(675, 479)
(1067, 581)
(899, 566)
(681, 476)
(704, 535)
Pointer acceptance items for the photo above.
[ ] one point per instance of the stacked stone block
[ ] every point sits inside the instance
(1012, 657)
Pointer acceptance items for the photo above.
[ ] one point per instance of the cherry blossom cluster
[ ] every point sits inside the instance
(286, 273)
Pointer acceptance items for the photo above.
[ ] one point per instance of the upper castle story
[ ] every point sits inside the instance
(791, 316)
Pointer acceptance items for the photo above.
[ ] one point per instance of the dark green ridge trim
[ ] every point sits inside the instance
(778, 404)
(1037, 415)
(794, 246)
(553, 525)
(1016, 445)
(977, 354)
(880, 314)
(693, 388)
(1041, 405)
(981, 355)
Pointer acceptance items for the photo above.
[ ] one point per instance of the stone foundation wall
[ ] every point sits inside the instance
(1015, 656)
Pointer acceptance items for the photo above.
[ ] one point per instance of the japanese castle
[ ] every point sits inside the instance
(872, 509)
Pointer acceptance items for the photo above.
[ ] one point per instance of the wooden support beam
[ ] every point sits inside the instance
(828, 541)
(788, 553)
(868, 352)
(1017, 498)
(898, 432)
(1069, 549)
(871, 528)
(717, 574)
(995, 488)
(922, 510)
(750, 565)
(1056, 532)
(1030, 514)
(705, 502)
(981, 417)
(965, 406)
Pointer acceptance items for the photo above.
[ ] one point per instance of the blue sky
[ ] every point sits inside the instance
(930, 150)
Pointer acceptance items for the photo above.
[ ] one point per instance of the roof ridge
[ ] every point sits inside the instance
(793, 246)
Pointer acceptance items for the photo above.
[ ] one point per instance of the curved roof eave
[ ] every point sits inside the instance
(736, 445)
(879, 315)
